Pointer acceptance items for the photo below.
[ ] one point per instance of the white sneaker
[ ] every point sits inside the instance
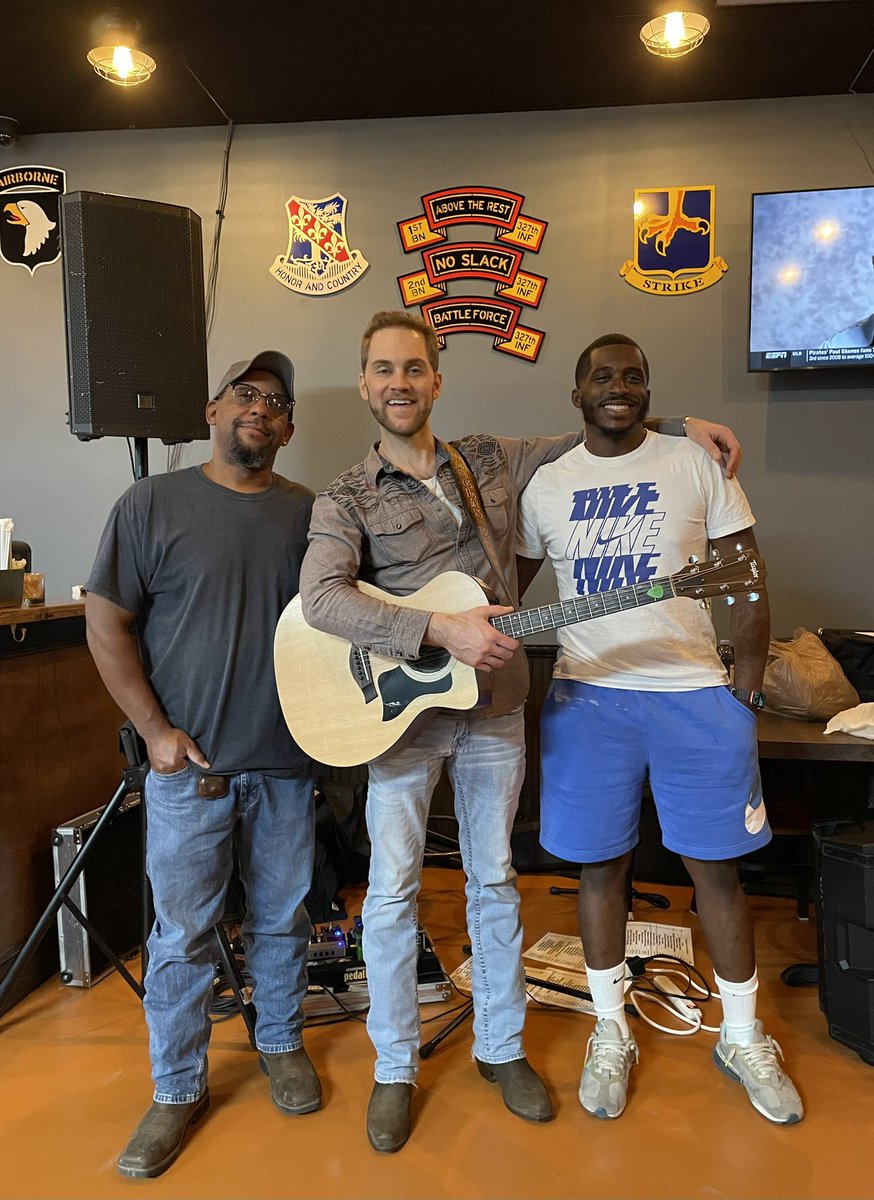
(771, 1091)
(609, 1059)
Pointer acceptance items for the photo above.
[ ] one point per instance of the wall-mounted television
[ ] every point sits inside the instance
(812, 279)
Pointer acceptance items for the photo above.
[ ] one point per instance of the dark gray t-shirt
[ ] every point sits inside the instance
(208, 572)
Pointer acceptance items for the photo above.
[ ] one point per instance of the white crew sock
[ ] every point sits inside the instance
(608, 994)
(738, 1009)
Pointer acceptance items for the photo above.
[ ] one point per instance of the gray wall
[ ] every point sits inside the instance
(808, 449)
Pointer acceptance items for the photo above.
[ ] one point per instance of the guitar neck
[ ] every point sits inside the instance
(584, 608)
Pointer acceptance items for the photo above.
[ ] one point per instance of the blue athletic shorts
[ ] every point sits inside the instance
(698, 748)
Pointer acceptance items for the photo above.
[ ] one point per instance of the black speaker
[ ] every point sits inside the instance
(136, 335)
(845, 912)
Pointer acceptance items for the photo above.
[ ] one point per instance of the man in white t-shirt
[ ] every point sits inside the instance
(643, 692)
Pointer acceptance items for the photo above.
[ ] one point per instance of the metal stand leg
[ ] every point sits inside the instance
(244, 1001)
(131, 780)
(428, 1048)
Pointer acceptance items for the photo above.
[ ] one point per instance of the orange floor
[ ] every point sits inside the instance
(74, 1070)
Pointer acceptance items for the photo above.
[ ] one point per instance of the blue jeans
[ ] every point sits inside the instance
(486, 762)
(189, 855)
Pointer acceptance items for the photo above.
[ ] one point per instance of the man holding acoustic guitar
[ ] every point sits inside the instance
(644, 694)
(416, 507)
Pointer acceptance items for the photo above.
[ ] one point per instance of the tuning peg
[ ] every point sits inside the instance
(738, 547)
(693, 558)
(753, 597)
(729, 600)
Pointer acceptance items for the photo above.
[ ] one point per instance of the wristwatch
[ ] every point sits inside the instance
(754, 699)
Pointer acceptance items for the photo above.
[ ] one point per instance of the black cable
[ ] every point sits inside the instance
(638, 965)
(174, 453)
(655, 899)
(212, 273)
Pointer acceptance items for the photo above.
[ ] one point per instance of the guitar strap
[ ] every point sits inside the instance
(473, 503)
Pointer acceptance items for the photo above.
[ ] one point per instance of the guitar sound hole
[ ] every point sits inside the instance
(431, 661)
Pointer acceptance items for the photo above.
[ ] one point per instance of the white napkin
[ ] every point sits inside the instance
(6, 527)
(858, 721)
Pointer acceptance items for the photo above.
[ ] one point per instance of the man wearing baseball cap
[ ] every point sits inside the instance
(199, 564)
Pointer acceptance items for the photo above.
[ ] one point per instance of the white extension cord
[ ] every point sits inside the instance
(664, 993)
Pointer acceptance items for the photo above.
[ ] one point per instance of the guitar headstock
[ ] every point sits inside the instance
(724, 576)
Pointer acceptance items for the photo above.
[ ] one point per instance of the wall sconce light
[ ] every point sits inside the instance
(672, 34)
(115, 56)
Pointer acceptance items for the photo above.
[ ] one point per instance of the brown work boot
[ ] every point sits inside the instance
(294, 1084)
(522, 1088)
(159, 1137)
(389, 1116)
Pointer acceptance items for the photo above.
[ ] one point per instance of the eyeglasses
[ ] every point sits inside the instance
(278, 404)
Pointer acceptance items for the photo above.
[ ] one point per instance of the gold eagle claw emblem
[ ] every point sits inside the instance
(661, 229)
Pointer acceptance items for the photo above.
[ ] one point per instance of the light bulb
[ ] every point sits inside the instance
(675, 29)
(122, 61)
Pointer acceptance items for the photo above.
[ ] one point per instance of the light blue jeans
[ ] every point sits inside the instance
(189, 855)
(486, 762)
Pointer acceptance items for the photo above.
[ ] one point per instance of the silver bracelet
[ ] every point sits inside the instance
(685, 430)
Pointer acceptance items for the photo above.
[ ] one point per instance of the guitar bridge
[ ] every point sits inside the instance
(359, 665)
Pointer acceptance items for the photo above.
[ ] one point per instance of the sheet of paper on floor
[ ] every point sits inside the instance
(564, 951)
(642, 938)
(559, 999)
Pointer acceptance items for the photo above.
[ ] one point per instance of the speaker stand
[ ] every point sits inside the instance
(141, 458)
(132, 779)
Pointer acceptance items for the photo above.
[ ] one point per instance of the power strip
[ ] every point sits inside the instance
(687, 1008)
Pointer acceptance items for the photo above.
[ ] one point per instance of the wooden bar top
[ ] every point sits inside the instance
(784, 737)
(52, 610)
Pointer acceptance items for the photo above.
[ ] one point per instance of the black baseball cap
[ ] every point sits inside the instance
(274, 361)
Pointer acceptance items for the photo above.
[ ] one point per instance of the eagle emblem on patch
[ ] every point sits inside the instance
(673, 241)
(319, 260)
(29, 201)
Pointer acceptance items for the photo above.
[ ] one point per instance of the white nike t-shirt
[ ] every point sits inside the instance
(608, 523)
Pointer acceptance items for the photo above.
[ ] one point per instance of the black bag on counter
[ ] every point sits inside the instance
(854, 650)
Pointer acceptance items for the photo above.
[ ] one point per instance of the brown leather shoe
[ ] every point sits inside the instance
(389, 1116)
(157, 1140)
(522, 1088)
(294, 1084)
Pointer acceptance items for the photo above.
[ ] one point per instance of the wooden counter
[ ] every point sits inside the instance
(783, 737)
(52, 610)
(59, 758)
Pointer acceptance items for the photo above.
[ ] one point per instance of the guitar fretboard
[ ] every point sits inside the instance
(584, 608)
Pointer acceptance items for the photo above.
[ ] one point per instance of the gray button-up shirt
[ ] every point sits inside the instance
(376, 523)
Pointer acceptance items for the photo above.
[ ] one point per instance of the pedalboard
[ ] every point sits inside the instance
(338, 982)
(333, 941)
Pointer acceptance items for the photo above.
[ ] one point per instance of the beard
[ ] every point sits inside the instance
(252, 458)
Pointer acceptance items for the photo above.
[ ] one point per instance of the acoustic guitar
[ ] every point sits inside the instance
(346, 705)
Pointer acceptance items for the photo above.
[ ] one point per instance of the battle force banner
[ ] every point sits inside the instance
(498, 262)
